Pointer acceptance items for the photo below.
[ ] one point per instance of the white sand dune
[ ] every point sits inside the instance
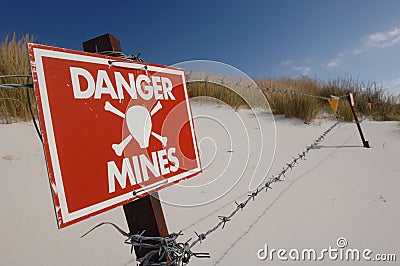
(341, 190)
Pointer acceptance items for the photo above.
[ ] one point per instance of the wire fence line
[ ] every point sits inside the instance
(25, 86)
(180, 253)
(15, 86)
(223, 81)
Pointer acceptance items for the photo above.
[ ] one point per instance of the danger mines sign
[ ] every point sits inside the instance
(114, 130)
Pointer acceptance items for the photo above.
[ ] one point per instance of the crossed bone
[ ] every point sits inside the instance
(119, 148)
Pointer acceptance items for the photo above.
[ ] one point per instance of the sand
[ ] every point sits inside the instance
(341, 190)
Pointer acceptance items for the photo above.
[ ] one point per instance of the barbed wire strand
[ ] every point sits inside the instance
(178, 253)
(15, 86)
(181, 253)
(27, 86)
(122, 55)
(224, 82)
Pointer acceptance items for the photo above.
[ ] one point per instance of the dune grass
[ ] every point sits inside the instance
(371, 100)
(213, 90)
(305, 108)
(14, 60)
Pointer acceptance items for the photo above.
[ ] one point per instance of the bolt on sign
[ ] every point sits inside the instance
(114, 130)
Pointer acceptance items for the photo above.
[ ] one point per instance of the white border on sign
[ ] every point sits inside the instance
(59, 186)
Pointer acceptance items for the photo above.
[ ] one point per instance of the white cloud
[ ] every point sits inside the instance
(303, 70)
(374, 40)
(333, 63)
(392, 85)
(357, 51)
(382, 39)
(286, 62)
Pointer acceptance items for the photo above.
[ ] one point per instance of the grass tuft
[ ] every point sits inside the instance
(371, 100)
(213, 90)
(14, 59)
(305, 108)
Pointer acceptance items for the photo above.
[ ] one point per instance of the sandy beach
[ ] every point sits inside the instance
(341, 190)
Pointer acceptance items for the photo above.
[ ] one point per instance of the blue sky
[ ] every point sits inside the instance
(322, 39)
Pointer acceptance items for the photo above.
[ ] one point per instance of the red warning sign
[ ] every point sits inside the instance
(114, 130)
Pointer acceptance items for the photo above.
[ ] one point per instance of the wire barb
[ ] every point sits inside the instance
(224, 219)
(240, 206)
(254, 194)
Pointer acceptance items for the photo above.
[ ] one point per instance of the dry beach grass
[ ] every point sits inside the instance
(14, 60)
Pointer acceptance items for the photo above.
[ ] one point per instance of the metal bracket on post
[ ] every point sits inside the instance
(351, 101)
(145, 213)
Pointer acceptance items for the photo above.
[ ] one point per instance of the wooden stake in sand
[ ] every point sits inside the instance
(151, 218)
(351, 101)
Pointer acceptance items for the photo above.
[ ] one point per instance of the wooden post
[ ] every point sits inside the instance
(145, 213)
(351, 101)
(105, 42)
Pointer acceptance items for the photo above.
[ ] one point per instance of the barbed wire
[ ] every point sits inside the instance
(122, 55)
(165, 251)
(15, 86)
(304, 94)
(222, 81)
(15, 76)
(181, 253)
(25, 86)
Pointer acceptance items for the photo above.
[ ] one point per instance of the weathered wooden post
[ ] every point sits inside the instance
(351, 101)
(151, 216)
